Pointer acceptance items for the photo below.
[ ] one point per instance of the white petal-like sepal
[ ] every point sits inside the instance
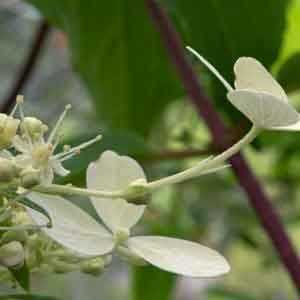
(263, 109)
(293, 127)
(252, 75)
(72, 227)
(112, 172)
(179, 256)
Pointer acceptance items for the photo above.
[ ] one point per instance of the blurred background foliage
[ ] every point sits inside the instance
(106, 58)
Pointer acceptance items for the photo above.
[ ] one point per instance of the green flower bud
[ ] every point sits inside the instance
(12, 254)
(33, 126)
(93, 266)
(18, 235)
(8, 170)
(30, 177)
(61, 267)
(121, 235)
(137, 191)
(8, 130)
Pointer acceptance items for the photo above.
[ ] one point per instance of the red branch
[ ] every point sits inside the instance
(27, 68)
(258, 199)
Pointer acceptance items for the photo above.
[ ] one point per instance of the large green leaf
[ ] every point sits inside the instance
(118, 54)
(223, 30)
(288, 74)
(291, 42)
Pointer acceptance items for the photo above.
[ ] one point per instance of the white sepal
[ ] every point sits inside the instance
(292, 127)
(252, 75)
(112, 172)
(263, 109)
(179, 256)
(72, 227)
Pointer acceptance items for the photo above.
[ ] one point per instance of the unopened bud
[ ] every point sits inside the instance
(12, 254)
(137, 191)
(17, 235)
(30, 177)
(61, 267)
(8, 170)
(121, 235)
(33, 126)
(8, 130)
(93, 266)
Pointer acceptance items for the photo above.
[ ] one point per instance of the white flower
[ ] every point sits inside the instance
(38, 153)
(258, 95)
(79, 232)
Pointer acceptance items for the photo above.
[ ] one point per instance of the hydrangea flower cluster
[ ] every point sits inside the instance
(42, 230)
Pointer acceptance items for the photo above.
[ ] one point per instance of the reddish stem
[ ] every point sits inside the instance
(258, 199)
(28, 66)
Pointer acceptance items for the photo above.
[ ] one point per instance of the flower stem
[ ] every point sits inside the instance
(208, 164)
(69, 190)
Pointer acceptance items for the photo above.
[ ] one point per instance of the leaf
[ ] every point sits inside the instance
(26, 297)
(288, 73)
(224, 30)
(291, 44)
(119, 55)
(22, 276)
(40, 209)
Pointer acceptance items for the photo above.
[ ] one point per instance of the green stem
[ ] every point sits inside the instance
(69, 190)
(203, 168)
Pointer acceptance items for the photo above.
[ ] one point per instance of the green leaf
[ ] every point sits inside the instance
(118, 53)
(26, 297)
(291, 44)
(22, 276)
(224, 30)
(32, 205)
(288, 74)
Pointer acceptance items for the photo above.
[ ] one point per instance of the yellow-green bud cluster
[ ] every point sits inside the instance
(33, 126)
(8, 130)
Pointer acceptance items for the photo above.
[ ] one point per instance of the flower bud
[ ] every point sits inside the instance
(30, 177)
(93, 266)
(33, 126)
(18, 235)
(8, 130)
(61, 267)
(12, 254)
(121, 235)
(8, 170)
(137, 191)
